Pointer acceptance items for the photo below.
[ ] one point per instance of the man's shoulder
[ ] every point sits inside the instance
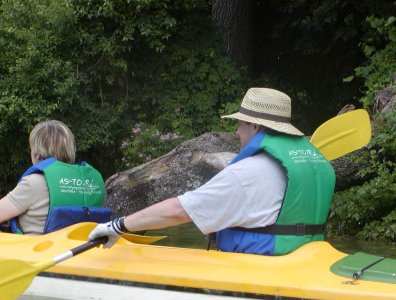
(253, 164)
(258, 159)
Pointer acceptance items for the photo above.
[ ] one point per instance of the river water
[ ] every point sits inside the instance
(187, 235)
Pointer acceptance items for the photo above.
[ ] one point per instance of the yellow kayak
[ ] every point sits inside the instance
(304, 273)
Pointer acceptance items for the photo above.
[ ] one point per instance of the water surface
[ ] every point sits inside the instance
(187, 235)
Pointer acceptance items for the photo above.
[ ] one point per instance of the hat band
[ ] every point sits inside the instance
(261, 115)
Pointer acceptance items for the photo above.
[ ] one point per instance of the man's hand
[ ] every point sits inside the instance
(112, 230)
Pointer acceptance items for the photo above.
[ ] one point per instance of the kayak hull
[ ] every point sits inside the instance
(305, 273)
(67, 289)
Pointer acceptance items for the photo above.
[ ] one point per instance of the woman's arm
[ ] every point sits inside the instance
(8, 210)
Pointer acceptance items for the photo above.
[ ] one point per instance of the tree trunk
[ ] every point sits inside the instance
(234, 22)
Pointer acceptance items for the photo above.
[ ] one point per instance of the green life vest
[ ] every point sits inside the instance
(309, 191)
(76, 194)
(74, 185)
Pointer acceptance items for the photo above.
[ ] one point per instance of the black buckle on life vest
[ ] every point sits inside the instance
(86, 210)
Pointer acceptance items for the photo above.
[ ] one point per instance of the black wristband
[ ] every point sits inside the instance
(119, 226)
(122, 225)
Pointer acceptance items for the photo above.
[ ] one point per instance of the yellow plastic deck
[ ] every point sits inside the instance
(302, 274)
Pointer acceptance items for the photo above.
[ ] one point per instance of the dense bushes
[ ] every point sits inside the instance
(182, 89)
(103, 66)
(134, 78)
(369, 211)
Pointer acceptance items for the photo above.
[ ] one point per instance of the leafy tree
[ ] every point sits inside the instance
(183, 88)
(369, 211)
(109, 67)
(68, 60)
(103, 66)
(308, 47)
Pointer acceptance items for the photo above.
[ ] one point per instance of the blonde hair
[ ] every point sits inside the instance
(53, 138)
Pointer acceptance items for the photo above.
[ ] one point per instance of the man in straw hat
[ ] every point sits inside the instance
(272, 198)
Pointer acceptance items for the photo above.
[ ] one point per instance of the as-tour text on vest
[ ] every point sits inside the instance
(305, 155)
(76, 185)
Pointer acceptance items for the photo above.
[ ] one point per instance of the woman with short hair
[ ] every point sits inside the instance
(76, 190)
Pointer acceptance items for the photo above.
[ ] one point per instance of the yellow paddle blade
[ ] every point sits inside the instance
(81, 232)
(142, 239)
(343, 134)
(16, 276)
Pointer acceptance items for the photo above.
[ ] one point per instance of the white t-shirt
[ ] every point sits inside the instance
(248, 193)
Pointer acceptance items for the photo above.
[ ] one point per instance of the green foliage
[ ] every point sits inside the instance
(368, 211)
(310, 46)
(68, 60)
(382, 56)
(109, 67)
(227, 124)
(384, 135)
(183, 88)
(359, 208)
(145, 143)
(191, 79)
(384, 229)
(99, 66)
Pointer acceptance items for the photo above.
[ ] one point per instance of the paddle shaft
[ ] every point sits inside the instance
(16, 275)
(79, 249)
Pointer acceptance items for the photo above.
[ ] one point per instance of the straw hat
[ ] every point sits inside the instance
(266, 107)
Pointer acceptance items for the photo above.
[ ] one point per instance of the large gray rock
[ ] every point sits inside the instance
(185, 168)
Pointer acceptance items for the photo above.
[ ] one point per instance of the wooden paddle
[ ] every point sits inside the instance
(16, 275)
(343, 134)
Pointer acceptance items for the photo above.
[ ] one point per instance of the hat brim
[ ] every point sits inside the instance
(278, 126)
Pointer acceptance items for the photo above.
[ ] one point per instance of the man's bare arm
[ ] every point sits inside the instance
(160, 215)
